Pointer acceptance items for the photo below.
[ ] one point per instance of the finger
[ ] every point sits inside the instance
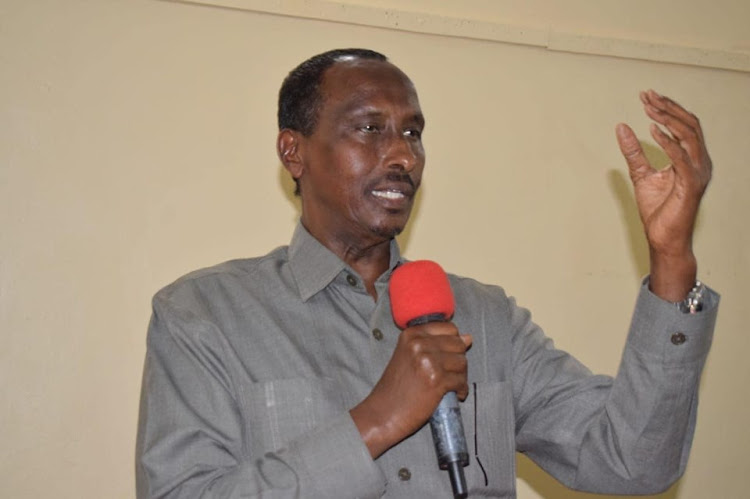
(440, 370)
(671, 108)
(463, 392)
(455, 363)
(451, 344)
(421, 343)
(678, 155)
(679, 128)
(697, 150)
(638, 165)
(685, 134)
(454, 378)
(436, 329)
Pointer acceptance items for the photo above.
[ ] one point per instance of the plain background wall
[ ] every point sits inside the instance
(137, 144)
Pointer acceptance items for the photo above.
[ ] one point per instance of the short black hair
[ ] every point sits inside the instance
(300, 99)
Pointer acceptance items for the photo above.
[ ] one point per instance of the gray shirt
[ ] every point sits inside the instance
(253, 365)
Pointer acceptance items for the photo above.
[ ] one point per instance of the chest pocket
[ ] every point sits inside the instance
(281, 410)
(488, 418)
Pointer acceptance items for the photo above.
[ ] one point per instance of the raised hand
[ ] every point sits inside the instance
(668, 199)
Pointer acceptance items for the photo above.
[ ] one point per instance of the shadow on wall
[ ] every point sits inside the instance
(286, 183)
(549, 488)
(622, 188)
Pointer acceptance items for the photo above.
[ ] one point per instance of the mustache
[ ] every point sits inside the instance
(400, 177)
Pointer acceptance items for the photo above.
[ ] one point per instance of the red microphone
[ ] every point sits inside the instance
(420, 293)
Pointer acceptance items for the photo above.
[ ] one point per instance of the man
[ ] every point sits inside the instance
(285, 376)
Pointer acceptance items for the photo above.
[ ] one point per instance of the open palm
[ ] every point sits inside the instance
(668, 199)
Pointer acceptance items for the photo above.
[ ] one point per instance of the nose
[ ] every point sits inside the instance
(404, 152)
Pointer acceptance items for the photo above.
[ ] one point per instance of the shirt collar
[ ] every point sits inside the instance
(314, 266)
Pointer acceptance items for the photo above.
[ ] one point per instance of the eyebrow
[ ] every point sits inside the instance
(417, 118)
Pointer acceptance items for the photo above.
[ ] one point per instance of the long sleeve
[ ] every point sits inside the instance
(252, 367)
(194, 436)
(627, 435)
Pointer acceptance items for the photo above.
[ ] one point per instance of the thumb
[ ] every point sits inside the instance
(638, 165)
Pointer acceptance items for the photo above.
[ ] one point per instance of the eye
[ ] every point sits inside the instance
(415, 133)
(369, 128)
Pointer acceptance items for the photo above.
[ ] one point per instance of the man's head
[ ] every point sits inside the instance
(300, 98)
(355, 149)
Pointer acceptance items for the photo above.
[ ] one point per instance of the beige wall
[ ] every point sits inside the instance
(137, 143)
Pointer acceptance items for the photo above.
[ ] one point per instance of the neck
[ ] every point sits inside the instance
(369, 264)
(368, 257)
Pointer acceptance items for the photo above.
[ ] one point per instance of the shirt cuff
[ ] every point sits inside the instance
(660, 329)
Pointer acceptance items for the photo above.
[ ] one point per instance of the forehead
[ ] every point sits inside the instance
(359, 82)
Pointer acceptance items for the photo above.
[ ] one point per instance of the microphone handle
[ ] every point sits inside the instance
(450, 443)
(448, 430)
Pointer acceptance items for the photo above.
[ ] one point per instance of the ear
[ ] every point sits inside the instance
(288, 147)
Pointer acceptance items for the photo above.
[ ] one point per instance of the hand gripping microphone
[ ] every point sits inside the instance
(420, 293)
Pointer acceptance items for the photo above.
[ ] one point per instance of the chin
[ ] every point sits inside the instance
(392, 233)
(389, 226)
(388, 232)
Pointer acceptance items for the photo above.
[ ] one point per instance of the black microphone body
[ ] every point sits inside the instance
(448, 430)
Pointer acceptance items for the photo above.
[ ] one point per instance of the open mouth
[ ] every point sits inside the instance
(390, 194)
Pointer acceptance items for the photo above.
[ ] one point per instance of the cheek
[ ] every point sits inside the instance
(355, 166)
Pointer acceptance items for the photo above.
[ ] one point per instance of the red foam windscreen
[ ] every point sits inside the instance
(417, 289)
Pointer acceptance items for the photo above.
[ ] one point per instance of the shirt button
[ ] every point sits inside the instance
(404, 474)
(351, 280)
(377, 334)
(678, 339)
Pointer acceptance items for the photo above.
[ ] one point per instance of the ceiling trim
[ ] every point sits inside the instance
(549, 38)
